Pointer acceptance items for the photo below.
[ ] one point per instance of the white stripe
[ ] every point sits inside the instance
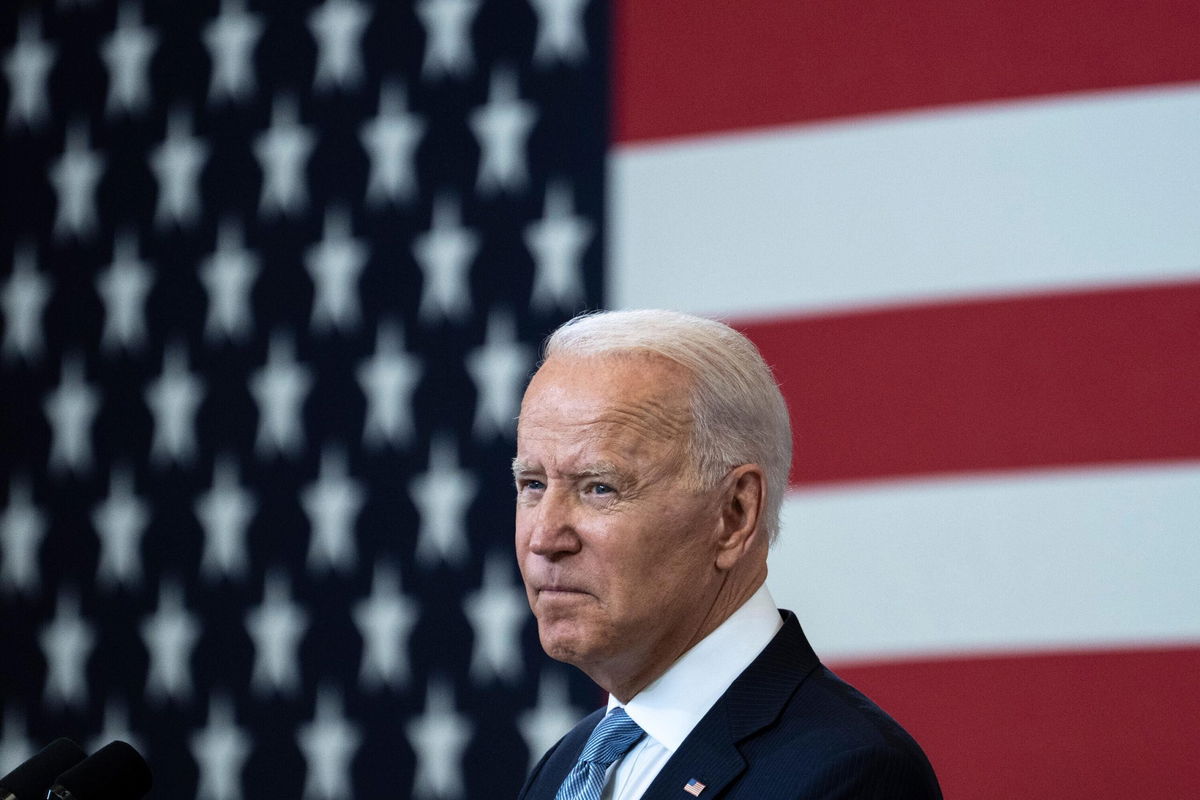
(998, 198)
(1036, 560)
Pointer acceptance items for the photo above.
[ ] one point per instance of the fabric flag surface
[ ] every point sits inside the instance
(966, 237)
(273, 279)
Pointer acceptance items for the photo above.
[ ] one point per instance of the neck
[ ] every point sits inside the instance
(625, 681)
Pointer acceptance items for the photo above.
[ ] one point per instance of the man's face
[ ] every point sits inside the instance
(614, 541)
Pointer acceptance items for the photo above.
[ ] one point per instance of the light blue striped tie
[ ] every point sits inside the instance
(610, 740)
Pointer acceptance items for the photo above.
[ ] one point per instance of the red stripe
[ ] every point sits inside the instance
(1048, 380)
(684, 68)
(1070, 726)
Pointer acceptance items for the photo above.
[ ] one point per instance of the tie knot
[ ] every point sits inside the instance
(611, 739)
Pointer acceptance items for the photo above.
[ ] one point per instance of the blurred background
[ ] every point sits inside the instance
(272, 277)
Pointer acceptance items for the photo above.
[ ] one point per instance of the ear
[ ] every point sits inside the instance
(744, 497)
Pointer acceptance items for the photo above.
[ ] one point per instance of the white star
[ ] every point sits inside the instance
(174, 397)
(170, 634)
(329, 743)
(75, 176)
(438, 737)
(24, 299)
(442, 495)
(499, 369)
(391, 139)
(496, 613)
(560, 35)
(120, 521)
(384, 620)
(228, 276)
(338, 26)
(26, 66)
(123, 287)
(388, 379)
(502, 126)
(553, 716)
(220, 749)
(557, 242)
(445, 253)
(67, 642)
(447, 36)
(116, 726)
(282, 151)
(22, 529)
(280, 388)
(126, 53)
(15, 744)
(276, 626)
(70, 409)
(332, 505)
(177, 164)
(231, 39)
(335, 264)
(225, 512)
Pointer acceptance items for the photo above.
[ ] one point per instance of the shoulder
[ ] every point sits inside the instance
(844, 716)
(833, 741)
(881, 771)
(798, 726)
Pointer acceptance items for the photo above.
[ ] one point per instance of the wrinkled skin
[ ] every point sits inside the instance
(627, 561)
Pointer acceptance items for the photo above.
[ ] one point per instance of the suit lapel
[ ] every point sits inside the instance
(710, 754)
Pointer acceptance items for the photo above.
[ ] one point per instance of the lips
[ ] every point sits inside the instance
(546, 581)
(558, 589)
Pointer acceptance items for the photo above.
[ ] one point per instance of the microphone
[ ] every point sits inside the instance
(114, 772)
(31, 779)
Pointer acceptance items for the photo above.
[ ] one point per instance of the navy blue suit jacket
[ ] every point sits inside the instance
(786, 728)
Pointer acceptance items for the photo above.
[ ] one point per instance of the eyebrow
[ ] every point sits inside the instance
(598, 469)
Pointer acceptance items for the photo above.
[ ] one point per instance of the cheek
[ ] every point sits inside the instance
(523, 528)
(520, 540)
(676, 551)
(633, 578)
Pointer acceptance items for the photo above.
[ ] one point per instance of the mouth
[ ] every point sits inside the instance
(559, 590)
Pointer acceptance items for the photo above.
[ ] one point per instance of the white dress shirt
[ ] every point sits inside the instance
(670, 707)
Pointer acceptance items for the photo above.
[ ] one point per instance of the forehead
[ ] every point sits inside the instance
(625, 403)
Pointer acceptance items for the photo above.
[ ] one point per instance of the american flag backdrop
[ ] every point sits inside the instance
(273, 274)
(966, 234)
(274, 277)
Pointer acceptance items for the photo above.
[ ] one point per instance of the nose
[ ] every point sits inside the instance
(549, 526)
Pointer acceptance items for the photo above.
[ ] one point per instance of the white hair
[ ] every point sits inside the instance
(738, 413)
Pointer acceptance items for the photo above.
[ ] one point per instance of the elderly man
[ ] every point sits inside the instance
(652, 455)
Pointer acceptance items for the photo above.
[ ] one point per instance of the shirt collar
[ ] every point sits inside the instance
(670, 707)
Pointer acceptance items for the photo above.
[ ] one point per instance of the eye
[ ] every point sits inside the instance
(529, 484)
(601, 489)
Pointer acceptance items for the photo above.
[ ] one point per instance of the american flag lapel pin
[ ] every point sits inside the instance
(693, 787)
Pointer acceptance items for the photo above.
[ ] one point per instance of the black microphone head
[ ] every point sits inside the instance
(31, 779)
(114, 772)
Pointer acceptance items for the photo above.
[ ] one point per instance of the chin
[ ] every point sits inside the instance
(564, 643)
(557, 645)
